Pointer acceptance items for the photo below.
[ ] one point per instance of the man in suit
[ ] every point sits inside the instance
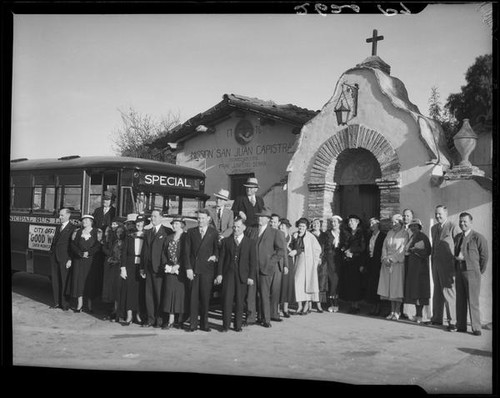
(200, 257)
(221, 218)
(248, 205)
(270, 250)
(471, 256)
(60, 259)
(282, 270)
(443, 234)
(152, 269)
(236, 270)
(104, 215)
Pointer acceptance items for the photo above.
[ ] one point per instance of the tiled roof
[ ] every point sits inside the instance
(287, 113)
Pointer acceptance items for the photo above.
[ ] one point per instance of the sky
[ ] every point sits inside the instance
(73, 73)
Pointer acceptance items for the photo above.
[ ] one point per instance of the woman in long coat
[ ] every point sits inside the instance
(317, 231)
(130, 279)
(175, 279)
(353, 249)
(417, 281)
(391, 281)
(307, 253)
(333, 255)
(287, 293)
(373, 265)
(84, 245)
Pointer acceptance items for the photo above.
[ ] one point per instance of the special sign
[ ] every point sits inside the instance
(157, 180)
(40, 237)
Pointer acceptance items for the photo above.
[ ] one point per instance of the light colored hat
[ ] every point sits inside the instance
(415, 221)
(87, 216)
(251, 183)
(375, 220)
(398, 217)
(337, 217)
(223, 194)
(131, 217)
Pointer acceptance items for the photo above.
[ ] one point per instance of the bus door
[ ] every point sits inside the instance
(101, 182)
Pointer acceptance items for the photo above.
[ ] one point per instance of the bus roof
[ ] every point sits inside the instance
(77, 162)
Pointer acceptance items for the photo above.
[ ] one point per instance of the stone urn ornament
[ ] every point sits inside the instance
(465, 141)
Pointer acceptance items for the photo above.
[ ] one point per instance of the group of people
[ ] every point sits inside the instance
(164, 277)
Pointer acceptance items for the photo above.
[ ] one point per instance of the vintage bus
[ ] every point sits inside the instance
(40, 187)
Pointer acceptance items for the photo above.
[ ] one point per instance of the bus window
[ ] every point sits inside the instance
(44, 198)
(71, 196)
(174, 204)
(100, 183)
(190, 206)
(21, 193)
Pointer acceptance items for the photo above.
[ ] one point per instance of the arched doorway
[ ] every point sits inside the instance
(356, 172)
(323, 188)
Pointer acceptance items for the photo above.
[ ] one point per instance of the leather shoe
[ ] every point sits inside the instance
(286, 314)
(452, 328)
(207, 329)
(224, 330)
(167, 326)
(147, 325)
(238, 329)
(55, 307)
(477, 333)
(266, 324)
(190, 330)
(277, 319)
(249, 323)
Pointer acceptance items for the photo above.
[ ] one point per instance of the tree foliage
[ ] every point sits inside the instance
(138, 130)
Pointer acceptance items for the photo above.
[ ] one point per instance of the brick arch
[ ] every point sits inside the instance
(322, 187)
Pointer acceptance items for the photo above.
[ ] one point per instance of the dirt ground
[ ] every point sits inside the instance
(334, 348)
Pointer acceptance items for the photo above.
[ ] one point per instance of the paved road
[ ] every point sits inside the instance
(341, 348)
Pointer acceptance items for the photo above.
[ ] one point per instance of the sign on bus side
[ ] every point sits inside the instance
(40, 237)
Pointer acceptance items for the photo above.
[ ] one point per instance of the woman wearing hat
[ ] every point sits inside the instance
(84, 245)
(353, 248)
(373, 264)
(129, 297)
(175, 280)
(287, 294)
(333, 256)
(307, 252)
(317, 231)
(391, 282)
(417, 281)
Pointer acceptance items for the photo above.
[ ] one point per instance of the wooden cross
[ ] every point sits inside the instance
(374, 39)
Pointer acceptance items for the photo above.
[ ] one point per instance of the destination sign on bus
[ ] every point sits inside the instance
(40, 237)
(169, 181)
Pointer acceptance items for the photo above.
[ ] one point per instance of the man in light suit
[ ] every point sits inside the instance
(60, 259)
(221, 218)
(201, 252)
(236, 270)
(248, 205)
(443, 234)
(270, 250)
(471, 255)
(152, 269)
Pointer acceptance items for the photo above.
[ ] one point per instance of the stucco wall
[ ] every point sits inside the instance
(219, 155)
(375, 112)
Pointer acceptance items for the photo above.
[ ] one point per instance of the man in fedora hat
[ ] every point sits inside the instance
(248, 205)
(104, 215)
(221, 217)
(270, 251)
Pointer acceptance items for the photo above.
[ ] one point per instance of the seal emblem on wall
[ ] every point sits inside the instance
(244, 132)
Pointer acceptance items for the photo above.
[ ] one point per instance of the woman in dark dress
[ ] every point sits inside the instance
(130, 260)
(417, 289)
(110, 270)
(333, 256)
(317, 231)
(84, 245)
(287, 293)
(353, 249)
(175, 279)
(373, 265)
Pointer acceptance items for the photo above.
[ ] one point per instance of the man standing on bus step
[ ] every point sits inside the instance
(104, 215)
(248, 205)
(60, 259)
(201, 251)
(221, 217)
(152, 269)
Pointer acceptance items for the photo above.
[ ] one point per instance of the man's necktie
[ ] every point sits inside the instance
(459, 246)
(252, 200)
